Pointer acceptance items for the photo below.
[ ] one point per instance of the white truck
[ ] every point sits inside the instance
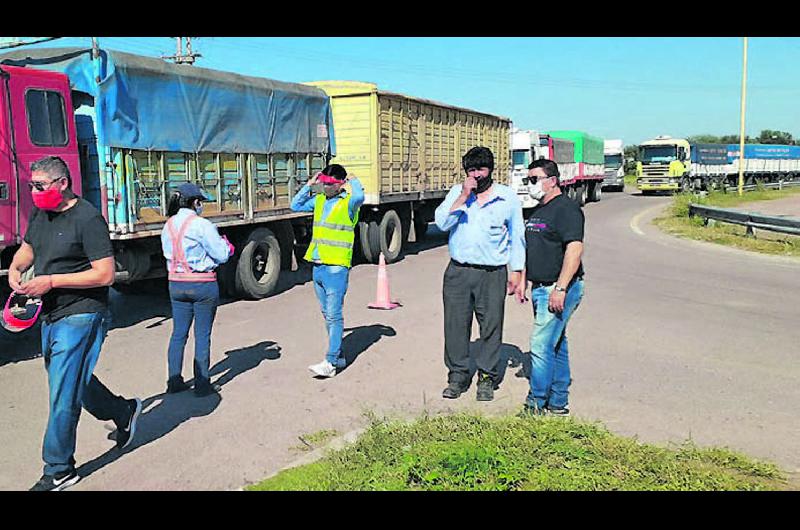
(614, 174)
(525, 148)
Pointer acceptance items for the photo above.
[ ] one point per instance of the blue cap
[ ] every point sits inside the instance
(187, 189)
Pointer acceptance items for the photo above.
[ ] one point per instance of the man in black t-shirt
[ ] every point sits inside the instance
(67, 242)
(554, 246)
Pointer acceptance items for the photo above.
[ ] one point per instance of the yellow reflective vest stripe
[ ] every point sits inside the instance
(333, 237)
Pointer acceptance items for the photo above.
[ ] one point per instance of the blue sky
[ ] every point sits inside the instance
(613, 87)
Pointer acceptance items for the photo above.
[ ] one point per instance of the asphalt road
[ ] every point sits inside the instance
(674, 341)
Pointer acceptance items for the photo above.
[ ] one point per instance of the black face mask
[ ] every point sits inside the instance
(483, 184)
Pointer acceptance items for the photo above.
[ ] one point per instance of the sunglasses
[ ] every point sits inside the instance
(533, 180)
(42, 186)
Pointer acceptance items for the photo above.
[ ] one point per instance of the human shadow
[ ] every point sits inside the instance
(360, 339)
(508, 355)
(163, 413)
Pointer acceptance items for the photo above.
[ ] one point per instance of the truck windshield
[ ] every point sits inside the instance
(613, 161)
(659, 153)
(519, 157)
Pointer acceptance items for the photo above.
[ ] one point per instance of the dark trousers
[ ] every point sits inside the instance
(482, 292)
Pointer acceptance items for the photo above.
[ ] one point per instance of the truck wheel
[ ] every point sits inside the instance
(226, 277)
(580, 194)
(686, 185)
(595, 191)
(285, 234)
(391, 236)
(259, 264)
(368, 238)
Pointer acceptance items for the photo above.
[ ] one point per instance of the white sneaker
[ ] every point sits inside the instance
(323, 369)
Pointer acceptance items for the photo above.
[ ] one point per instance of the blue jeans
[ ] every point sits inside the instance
(330, 284)
(192, 301)
(71, 347)
(550, 376)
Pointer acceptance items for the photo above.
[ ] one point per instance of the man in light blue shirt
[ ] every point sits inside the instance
(487, 234)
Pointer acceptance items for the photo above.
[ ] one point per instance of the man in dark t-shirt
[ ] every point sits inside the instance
(554, 246)
(67, 242)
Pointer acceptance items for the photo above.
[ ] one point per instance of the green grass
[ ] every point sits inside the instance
(315, 440)
(678, 223)
(469, 452)
(630, 180)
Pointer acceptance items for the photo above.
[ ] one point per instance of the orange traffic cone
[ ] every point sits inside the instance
(383, 298)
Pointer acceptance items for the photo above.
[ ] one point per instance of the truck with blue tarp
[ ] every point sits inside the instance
(132, 129)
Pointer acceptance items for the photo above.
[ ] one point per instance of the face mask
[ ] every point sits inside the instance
(47, 199)
(483, 184)
(536, 191)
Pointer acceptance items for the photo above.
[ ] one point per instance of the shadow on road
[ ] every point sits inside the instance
(360, 339)
(508, 354)
(163, 413)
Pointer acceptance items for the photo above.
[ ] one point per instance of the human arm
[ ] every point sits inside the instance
(216, 246)
(22, 261)
(572, 260)
(448, 213)
(356, 197)
(303, 200)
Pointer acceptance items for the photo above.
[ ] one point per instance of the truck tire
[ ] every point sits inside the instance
(580, 194)
(368, 238)
(285, 234)
(391, 236)
(686, 185)
(259, 264)
(226, 277)
(595, 191)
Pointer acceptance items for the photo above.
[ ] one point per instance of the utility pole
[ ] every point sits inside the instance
(741, 128)
(179, 57)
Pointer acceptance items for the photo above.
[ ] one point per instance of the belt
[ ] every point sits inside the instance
(537, 284)
(481, 267)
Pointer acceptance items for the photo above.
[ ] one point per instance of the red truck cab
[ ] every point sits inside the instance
(36, 120)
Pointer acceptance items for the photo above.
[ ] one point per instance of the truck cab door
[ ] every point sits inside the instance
(7, 173)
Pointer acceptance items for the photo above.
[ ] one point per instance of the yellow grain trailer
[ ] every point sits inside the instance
(407, 153)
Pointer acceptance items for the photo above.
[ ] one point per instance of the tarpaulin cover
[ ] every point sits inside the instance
(563, 151)
(711, 154)
(588, 148)
(764, 151)
(150, 104)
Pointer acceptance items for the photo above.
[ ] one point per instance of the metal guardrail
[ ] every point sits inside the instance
(770, 186)
(785, 225)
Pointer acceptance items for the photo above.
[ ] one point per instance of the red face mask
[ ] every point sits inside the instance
(47, 199)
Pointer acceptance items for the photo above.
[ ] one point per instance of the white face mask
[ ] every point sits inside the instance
(535, 191)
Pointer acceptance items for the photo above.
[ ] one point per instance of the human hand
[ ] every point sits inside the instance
(231, 248)
(519, 292)
(37, 287)
(556, 301)
(314, 179)
(469, 186)
(14, 277)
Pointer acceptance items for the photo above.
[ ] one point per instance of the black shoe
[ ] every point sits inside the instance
(57, 482)
(206, 390)
(564, 411)
(176, 385)
(486, 388)
(454, 390)
(125, 434)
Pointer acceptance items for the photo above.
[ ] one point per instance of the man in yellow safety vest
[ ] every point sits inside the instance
(331, 251)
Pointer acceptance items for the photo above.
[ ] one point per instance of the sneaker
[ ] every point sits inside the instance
(529, 411)
(486, 388)
(323, 369)
(57, 482)
(125, 435)
(176, 385)
(563, 411)
(454, 390)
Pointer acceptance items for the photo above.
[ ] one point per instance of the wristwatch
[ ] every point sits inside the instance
(559, 289)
